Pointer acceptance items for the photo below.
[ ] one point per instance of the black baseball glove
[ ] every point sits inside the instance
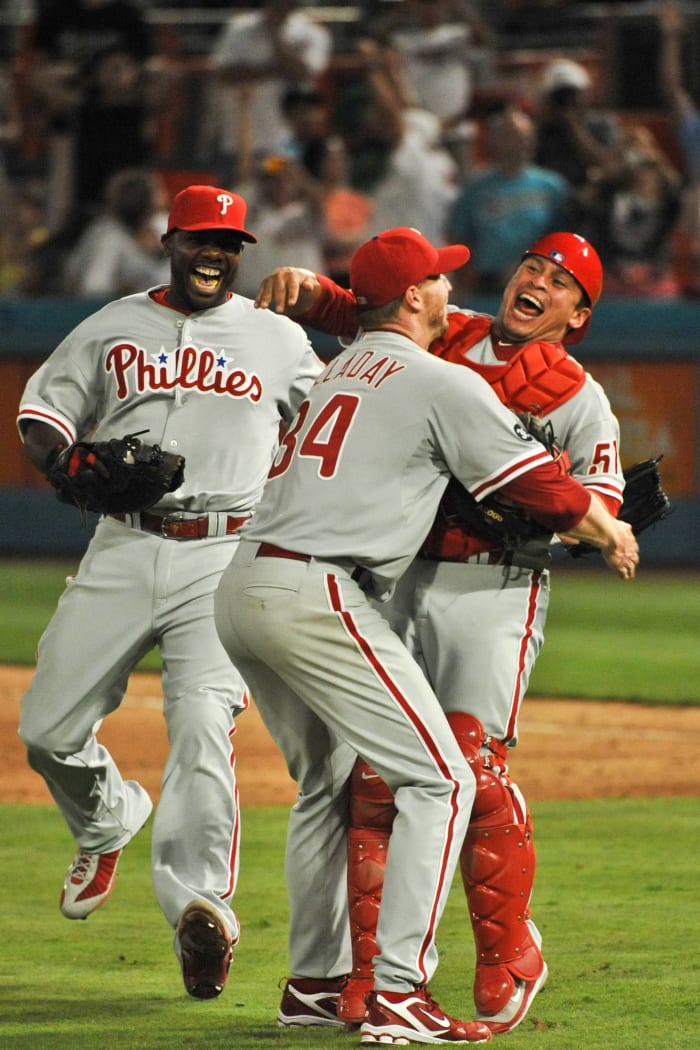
(120, 475)
(644, 502)
(492, 518)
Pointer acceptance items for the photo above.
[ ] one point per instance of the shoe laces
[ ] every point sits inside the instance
(79, 868)
(423, 990)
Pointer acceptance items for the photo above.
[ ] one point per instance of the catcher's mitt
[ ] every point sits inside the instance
(644, 502)
(492, 518)
(120, 475)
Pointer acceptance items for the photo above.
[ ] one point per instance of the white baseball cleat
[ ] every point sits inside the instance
(401, 1018)
(91, 876)
(89, 882)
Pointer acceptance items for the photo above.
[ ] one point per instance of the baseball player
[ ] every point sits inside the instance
(348, 503)
(472, 612)
(205, 375)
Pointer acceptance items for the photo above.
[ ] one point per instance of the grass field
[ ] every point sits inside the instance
(608, 639)
(616, 894)
(616, 901)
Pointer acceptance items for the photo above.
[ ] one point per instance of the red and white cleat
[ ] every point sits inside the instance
(206, 950)
(401, 1018)
(89, 882)
(310, 1001)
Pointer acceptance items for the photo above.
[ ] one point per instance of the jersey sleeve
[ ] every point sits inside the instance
(62, 391)
(587, 428)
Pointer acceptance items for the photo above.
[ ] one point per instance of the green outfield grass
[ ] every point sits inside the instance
(605, 638)
(616, 901)
(631, 640)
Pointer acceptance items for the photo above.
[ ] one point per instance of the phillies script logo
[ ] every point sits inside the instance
(190, 368)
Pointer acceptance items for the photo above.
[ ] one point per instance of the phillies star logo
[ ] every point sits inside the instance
(189, 368)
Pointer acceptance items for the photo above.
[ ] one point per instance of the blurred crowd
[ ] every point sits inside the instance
(407, 120)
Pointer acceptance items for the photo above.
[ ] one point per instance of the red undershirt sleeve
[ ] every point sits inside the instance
(334, 312)
(551, 497)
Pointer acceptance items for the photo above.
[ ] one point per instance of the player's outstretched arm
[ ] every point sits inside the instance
(615, 538)
(292, 289)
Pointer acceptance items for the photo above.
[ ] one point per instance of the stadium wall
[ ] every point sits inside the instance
(646, 355)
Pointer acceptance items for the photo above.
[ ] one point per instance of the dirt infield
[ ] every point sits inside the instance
(569, 749)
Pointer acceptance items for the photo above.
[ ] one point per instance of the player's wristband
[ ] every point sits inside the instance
(53, 456)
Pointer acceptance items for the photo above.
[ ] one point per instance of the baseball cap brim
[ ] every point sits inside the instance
(245, 234)
(452, 257)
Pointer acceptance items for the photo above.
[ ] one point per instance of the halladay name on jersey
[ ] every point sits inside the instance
(368, 367)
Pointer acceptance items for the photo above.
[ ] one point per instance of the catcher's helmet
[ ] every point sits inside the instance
(574, 254)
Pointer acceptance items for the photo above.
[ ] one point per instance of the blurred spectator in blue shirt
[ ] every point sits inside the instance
(507, 204)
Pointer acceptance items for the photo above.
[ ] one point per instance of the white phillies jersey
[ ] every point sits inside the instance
(361, 470)
(211, 386)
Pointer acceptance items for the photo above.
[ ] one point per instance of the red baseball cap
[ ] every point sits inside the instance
(385, 266)
(209, 208)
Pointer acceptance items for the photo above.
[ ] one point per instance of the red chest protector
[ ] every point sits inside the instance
(537, 378)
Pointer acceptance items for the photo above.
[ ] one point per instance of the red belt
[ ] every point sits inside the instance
(173, 527)
(268, 550)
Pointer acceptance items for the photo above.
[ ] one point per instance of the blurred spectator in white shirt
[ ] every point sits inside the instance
(270, 49)
(119, 251)
(447, 49)
(284, 208)
(396, 151)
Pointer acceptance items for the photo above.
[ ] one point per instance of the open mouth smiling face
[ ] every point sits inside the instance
(527, 305)
(204, 266)
(540, 302)
(207, 278)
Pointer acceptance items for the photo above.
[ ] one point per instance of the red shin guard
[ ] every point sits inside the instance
(498, 871)
(372, 814)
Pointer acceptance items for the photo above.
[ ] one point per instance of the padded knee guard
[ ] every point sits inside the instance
(372, 814)
(498, 871)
